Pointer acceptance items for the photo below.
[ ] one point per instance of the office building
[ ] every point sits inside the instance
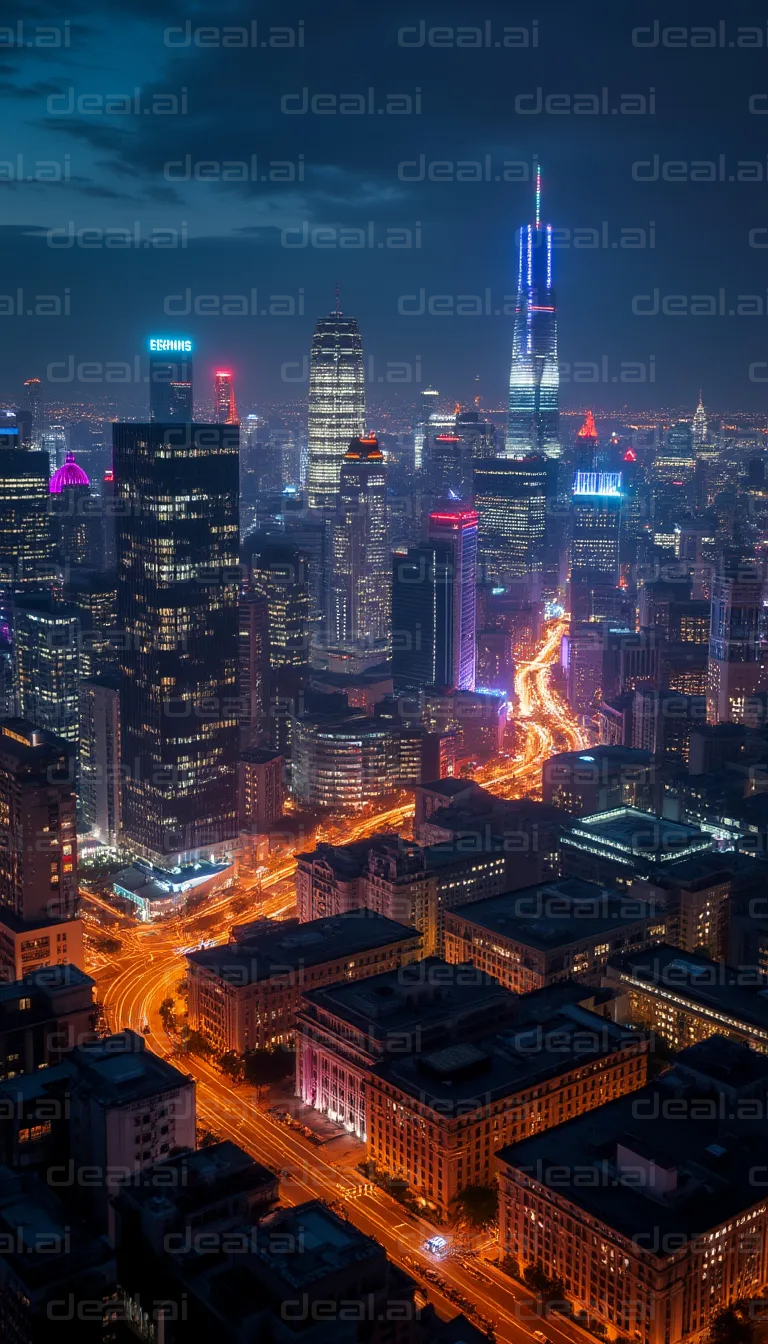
(700, 895)
(38, 862)
(422, 617)
(95, 597)
(75, 516)
(336, 403)
(581, 658)
(342, 762)
(34, 405)
(244, 995)
(616, 846)
(652, 1226)
(663, 722)
(437, 1118)
(594, 550)
(260, 788)
(534, 380)
(43, 1016)
(170, 380)
(736, 670)
(344, 1032)
(225, 408)
(535, 937)
(583, 782)
(100, 780)
(46, 649)
(510, 495)
(699, 428)
(458, 529)
(684, 997)
(253, 667)
(281, 575)
(26, 547)
(360, 585)
(178, 584)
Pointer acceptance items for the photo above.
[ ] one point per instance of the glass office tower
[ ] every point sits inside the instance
(534, 380)
(178, 583)
(336, 403)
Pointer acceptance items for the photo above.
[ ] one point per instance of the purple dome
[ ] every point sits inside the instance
(67, 476)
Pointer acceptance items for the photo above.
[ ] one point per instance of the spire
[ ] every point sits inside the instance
(336, 292)
(588, 429)
(538, 195)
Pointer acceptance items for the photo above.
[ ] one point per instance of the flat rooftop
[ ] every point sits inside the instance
(708, 1165)
(207, 1174)
(424, 994)
(626, 834)
(300, 945)
(709, 986)
(460, 1077)
(321, 1244)
(120, 1069)
(553, 914)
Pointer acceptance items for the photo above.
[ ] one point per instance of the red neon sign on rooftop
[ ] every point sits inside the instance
(466, 517)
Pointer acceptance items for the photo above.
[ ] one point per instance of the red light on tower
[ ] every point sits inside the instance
(588, 429)
(224, 397)
(630, 455)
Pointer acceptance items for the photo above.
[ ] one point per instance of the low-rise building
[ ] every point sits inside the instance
(615, 847)
(42, 1017)
(685, 998)
(531, 938)
(594, 780)
(345, 1031)
(244, 995)
(28, 945)
(650, 1218)
(437, 1118)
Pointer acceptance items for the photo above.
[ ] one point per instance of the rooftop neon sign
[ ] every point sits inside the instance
(167, 345)
(606, 483)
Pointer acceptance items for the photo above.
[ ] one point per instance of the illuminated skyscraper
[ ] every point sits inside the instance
(360, 585)
(46, 651)
(534, 380)
(224, 397)
(510, 496)
(178, 584)
(26, 547)
(458, 528)
(422, 617)
(336, 403)
(170, 379)
(736, 667)
(427, 403)
(596, 523)
(699, 424)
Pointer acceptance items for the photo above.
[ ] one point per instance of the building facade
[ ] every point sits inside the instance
(336, 403)
(534, 380)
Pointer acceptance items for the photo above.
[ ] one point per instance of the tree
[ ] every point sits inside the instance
(732, 1326)
(477, 1206)
(231, 1064)
(194, 1042)
(167, 1014)
(549, 1289)
(268, 1066)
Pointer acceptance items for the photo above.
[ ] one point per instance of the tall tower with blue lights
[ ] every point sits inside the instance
(534, 379)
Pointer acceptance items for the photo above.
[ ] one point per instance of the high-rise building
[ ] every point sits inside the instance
(224, 397)
(38, 857)
(510, 495)
(26, 549)
(46, 648)
(336, 402)
(75, 515)
(422, 617)
(736, 668)
(170, 379)
(108, 552)
(55, 443)
(699, 424)
(33, 399)
(534, 380)
(260, 788)
(280, 573)
(594, 559)
(585, 450)
(253, 667)
(458, 528)
(95, 596)
(178, 584)
(100, 782)
(427, 403)
(360, 587)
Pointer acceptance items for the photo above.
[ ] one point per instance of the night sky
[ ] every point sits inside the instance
(126, 167)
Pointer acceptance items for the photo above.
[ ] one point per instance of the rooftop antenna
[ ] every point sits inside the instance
(538, 195)
(336, 292)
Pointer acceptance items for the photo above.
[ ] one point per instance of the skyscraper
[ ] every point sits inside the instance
(360, 589)
(458, 528)
(75, 515)
(422, 617)
(170, 379)
(224, 397)
(534, 380)
(699, 424)
(46, 651)
(178, 584)
(594, 558)
(510, 496)
(100, 774)
(38, 857)
(336, 402)
(26, 548)
(736, 668)
(33, 397)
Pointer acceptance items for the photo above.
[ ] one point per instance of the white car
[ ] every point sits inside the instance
(542, 1338)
